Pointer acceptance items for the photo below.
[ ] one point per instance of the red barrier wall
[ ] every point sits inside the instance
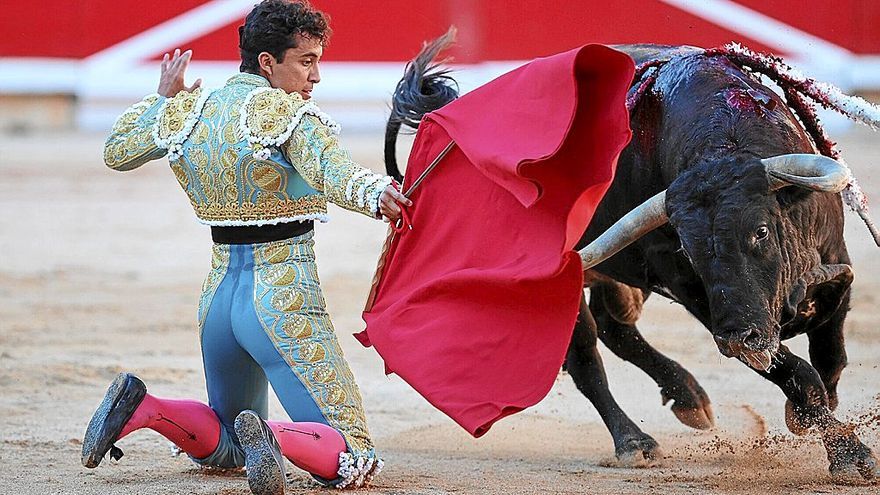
(391, 30)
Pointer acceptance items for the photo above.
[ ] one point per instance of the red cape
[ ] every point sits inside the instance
(474, 307)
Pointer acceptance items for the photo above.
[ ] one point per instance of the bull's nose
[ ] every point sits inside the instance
(732, 342)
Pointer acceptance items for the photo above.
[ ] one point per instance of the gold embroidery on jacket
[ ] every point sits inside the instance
(199, 158)
(267, 176)
(269, 113)
(225, 182)
(176, 112)
(315, 152)
(210, 109)
(180, 175)
(314, 204)
(130, 143)
(227, 175)
(230, 132)
(183, 179)
(200, 134)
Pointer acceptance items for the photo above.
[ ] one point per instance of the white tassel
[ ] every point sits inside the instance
(319, 217)
(373, 200)
(263, 154)
(354, 178)
(362, 191)
(355, 472)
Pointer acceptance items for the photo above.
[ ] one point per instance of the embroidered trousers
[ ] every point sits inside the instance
(263, 320)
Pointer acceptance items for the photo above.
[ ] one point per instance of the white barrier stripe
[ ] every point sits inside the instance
(170, 34)
(759, 27)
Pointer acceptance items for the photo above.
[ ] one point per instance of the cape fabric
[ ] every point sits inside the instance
(474, 306)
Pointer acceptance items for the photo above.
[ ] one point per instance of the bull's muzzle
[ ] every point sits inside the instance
(750, 346)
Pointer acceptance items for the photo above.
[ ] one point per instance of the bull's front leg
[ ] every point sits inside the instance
(616, 307)
(828, 353)
(805, 390)
(632, 446)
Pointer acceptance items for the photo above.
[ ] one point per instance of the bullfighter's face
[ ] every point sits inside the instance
(297, 71)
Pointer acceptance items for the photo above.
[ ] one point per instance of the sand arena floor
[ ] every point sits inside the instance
(100, 272)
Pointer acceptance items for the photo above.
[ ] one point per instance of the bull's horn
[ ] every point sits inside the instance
(638, 222)
(815, 172)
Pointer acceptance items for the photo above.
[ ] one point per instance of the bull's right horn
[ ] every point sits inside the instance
(815, 172)
(642, 219)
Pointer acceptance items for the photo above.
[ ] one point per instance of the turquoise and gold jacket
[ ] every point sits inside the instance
(246, 154)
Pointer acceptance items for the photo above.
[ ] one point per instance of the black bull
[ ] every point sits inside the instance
(757, 260)
(754, 263)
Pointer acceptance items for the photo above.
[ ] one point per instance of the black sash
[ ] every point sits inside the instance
(253, 234)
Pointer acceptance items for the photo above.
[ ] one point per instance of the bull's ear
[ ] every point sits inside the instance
(791, 195)
(825, 286)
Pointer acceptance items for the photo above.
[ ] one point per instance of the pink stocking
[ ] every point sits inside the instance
(189, 424)
(314, 447)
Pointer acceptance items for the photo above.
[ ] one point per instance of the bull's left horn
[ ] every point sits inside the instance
(638, 222)
(815, 172)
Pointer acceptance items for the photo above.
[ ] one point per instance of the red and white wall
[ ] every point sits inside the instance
(105, 52)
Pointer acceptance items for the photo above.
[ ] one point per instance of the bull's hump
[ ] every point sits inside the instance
(644, 52)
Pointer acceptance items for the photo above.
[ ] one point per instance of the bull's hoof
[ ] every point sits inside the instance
(854, 464)
(793, 420)
(641, 452)
(832, 400)
(691, 403)
(698, 419)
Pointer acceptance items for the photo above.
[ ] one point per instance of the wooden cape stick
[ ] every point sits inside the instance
(430, 167)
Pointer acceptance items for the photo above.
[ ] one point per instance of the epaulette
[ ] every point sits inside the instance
(134, 112)
(177, 117)
(270, 115)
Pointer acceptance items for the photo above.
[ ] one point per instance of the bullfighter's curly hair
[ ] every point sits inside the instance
(272, 27)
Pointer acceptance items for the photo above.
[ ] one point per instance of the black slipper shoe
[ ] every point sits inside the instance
(262, 454)
(122, 398)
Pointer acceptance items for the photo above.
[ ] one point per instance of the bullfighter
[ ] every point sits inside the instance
(259, 161)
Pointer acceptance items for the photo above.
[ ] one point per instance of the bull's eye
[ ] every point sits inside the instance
(762, 233)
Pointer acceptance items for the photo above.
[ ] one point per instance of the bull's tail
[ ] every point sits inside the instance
(425, 87)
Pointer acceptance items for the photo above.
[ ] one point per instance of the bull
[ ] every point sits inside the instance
(721, 204)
